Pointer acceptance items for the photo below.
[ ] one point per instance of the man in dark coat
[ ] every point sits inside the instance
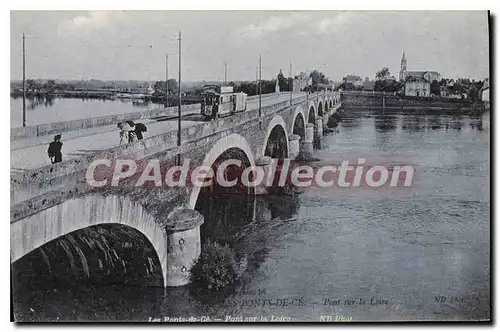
(54, 150)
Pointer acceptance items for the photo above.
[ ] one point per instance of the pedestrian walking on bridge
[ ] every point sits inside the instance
(139, 129)
(55, 150)
(124, 132)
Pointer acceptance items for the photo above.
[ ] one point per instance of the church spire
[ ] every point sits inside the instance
(403, 67)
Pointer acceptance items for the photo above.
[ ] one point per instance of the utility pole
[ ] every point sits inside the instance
(24, 81)
(225, 72)
(308, 76)
(260, 85)
(166, 80)
(290, 81)
(180, 103)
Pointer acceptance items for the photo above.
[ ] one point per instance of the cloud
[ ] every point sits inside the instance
(88, 22)
(329, 25)
(273, 24)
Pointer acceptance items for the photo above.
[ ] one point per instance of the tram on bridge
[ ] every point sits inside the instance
(220, 101)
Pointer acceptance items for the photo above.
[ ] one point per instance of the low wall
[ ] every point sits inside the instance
(366, 100)
(65, 126)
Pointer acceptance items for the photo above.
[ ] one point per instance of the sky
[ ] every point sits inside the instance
(123, 45)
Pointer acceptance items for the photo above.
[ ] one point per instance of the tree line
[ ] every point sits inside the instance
(51, 87)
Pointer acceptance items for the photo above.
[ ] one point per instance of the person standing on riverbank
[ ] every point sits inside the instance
(55, 150)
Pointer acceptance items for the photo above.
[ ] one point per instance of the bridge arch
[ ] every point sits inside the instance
(36, 230)
(228, 142)
(311, 113)
(298, 123)
(320, 108)
(276, 128)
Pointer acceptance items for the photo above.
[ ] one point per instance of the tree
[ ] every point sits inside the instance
(464, 82)
(388, 85)
(50, 86)
(281, 80)
(383, 74)
(159, 88)
(268, 86)
(318, 78)
(435, 88)
(474, 92)
(250, 88)
(30, 85)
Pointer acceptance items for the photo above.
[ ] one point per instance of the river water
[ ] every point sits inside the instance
(418, 253)
(41, 111)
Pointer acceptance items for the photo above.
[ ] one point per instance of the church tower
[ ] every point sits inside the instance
(403, 67)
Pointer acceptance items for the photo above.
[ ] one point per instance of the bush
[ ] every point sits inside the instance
(216, 267)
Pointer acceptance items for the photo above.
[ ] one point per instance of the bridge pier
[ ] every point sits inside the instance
(183, 245)
(325, 121)
(319, 128)
(306, 146)
(293, 146)
(318, 133)
(265, 163)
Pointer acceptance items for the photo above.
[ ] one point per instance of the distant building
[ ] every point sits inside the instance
(143, 89)
(368, 85)
(417, 86)
(417, 83)
(428, 75)
(485, 92)
(301, 81)
(444, 91)
(355, 80)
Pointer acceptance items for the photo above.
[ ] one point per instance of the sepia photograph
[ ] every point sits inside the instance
(250, 166)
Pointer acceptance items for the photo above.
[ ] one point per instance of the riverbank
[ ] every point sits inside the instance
(396, 103)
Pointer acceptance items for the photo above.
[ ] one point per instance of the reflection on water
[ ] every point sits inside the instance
(396, 253)
(41, 110)
(385, 123)
(36, 102)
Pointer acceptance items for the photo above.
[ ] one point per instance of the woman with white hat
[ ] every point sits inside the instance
(124, 132)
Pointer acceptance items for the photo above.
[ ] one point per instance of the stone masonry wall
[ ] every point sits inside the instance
(367, 100)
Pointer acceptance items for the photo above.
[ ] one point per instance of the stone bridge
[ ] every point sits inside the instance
(51, 201)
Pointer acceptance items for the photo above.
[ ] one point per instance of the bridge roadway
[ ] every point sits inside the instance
(31, 153)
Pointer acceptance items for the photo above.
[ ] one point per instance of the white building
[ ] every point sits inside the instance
(301, 81)
(485, 93)
(417, 86)
(417, 83)
(353, 79)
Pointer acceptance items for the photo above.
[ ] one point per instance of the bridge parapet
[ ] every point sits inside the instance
(79, 124)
